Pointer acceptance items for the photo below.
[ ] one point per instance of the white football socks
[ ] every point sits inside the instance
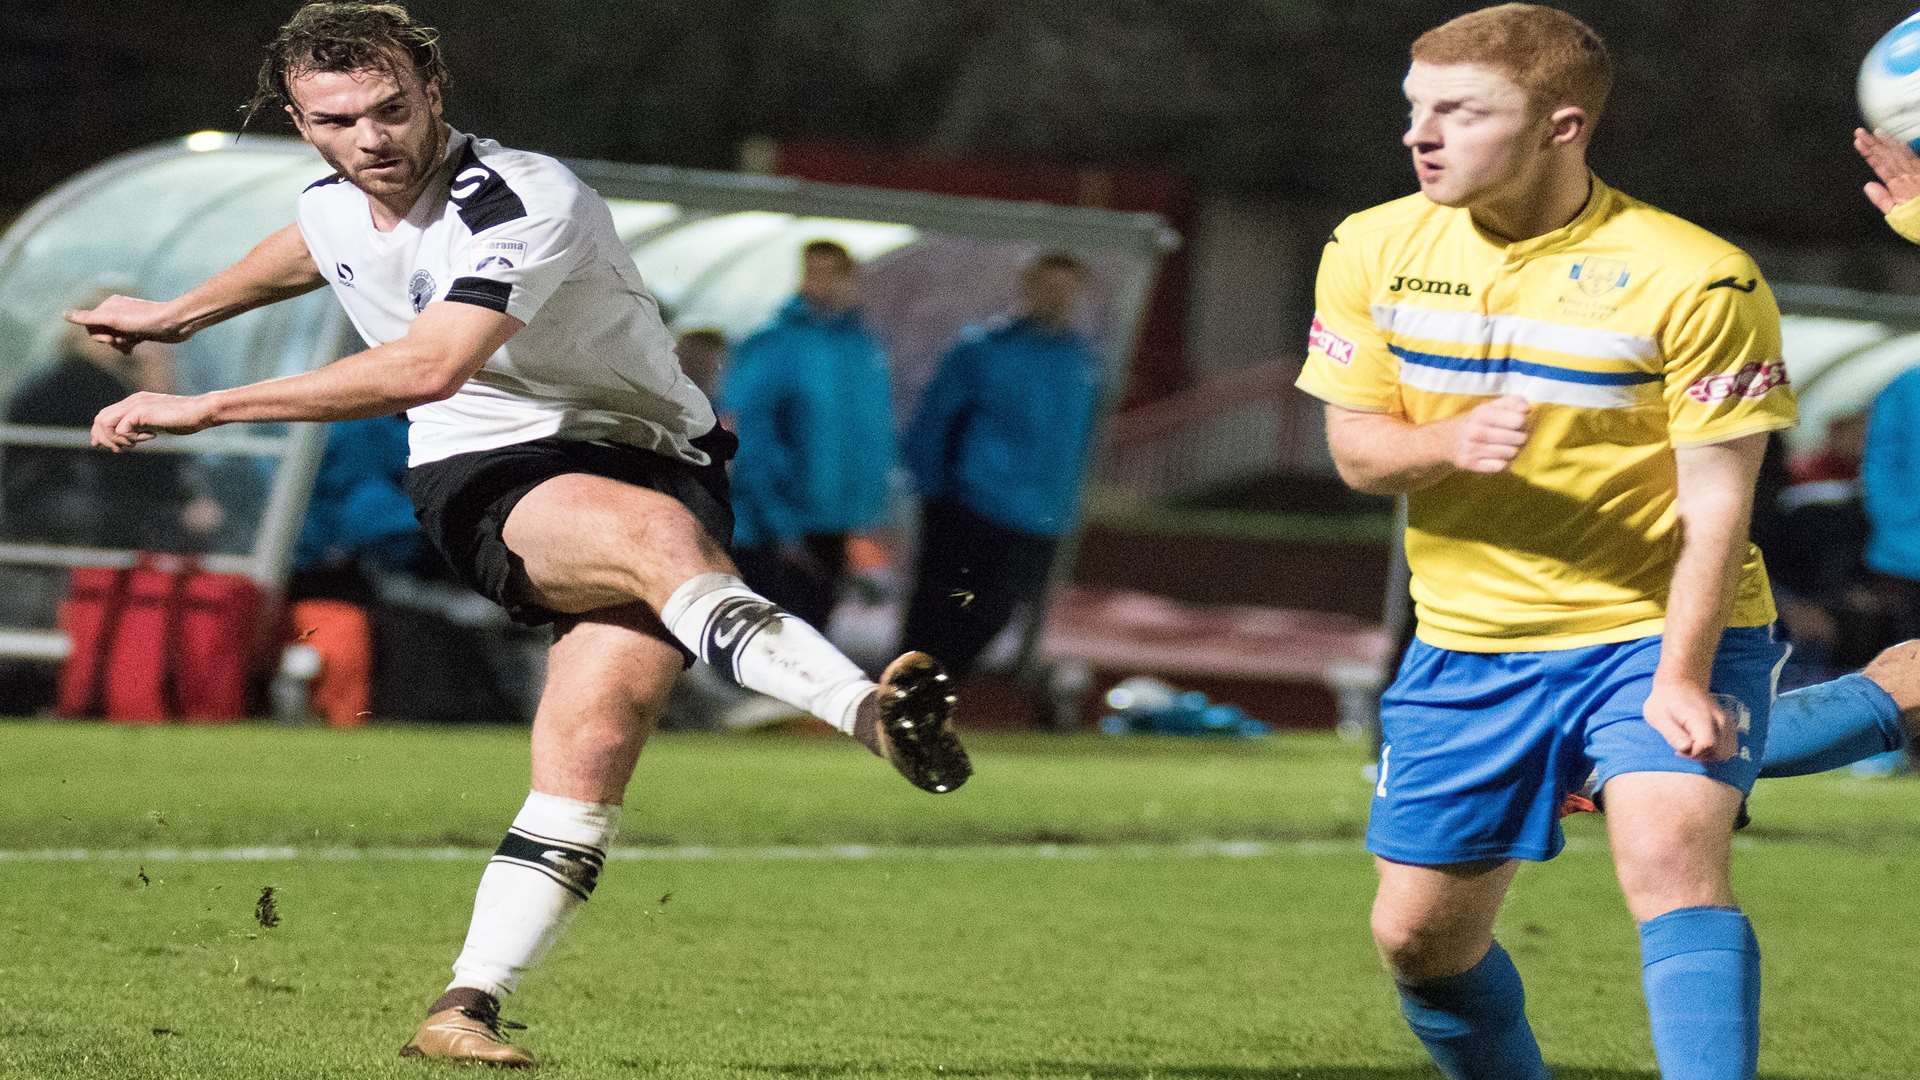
(543, 871)
(749, 640)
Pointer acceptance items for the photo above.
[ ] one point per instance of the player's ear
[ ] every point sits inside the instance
(299, 121)
(433, 98)
(1568, 125)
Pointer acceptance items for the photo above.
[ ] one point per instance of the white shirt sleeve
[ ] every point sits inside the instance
(515, 267)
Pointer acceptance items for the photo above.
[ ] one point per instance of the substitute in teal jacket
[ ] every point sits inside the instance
(1003, 427)
(808, 396)
(810, 401)
(1890, 479)
(997, 448)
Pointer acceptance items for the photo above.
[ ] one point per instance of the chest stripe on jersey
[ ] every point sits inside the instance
(1487, 383)
(1505, 332)
(1504, 364)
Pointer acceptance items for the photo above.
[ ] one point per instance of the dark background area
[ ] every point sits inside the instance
(1734, 114)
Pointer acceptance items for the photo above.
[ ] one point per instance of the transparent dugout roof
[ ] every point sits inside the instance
(720, 251)
(1842, 349)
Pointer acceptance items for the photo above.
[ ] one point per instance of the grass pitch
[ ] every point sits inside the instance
(787, 908)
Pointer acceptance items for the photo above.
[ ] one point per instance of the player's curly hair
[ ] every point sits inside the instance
(347, 35)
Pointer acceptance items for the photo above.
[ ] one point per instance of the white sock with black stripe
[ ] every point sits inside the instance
(751, 641)
(542, 872)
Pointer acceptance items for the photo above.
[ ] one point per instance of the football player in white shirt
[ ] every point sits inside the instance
(559, 459)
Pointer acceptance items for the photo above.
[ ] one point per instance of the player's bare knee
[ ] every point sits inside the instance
(607, 746)
(1416, 949)
(1662, 878)
(1661, 901)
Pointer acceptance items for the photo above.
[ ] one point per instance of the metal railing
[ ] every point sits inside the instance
(1233, 425)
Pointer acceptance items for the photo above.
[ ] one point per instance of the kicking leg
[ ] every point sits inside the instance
(1672, 836)
(1458, 988)
(587, 543)
(1849, 719)
(608, 675)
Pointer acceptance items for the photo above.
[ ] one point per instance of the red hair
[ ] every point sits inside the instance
(1557, 59)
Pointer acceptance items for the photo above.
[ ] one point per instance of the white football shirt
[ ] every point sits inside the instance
(518, 233)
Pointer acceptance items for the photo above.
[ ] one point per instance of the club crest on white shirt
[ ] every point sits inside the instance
(420, 289)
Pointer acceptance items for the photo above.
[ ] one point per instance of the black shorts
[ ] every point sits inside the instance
(463, 502)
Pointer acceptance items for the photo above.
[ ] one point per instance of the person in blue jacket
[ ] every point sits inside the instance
(1890, 481)
(1890, 486)
(358, 512)
(997, 449)
(809, 397)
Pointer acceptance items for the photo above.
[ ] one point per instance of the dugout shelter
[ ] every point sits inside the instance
(720, 250)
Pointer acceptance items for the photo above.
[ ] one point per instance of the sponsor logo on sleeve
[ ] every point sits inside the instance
(1337, 348)
(1753, 380)
(498, 254)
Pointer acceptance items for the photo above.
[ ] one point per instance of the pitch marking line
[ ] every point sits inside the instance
(1223, 849)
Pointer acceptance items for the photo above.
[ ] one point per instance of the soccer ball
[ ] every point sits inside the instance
(1890, 82)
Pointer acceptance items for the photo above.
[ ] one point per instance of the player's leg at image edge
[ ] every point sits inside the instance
(1834, 724)
(1820, 728)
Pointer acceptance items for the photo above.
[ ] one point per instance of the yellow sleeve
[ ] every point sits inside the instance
(1724, 376)
(1347, 359)
(1904, 219)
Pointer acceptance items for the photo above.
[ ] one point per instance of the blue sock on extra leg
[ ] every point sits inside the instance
(1835, 723)
(1474, 1024)
(1700, 968)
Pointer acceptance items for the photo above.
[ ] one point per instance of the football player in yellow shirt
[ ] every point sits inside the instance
(1573, 390)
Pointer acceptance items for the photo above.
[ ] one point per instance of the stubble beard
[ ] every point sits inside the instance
(418, 169)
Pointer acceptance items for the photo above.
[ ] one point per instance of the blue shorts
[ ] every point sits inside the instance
(1478, 749)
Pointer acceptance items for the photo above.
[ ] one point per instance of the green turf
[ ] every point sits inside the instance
(958, 951)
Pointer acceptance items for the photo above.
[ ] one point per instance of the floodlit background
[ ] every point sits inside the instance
(1092, 905)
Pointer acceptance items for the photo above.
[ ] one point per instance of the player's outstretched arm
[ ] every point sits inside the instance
(1383, 454)
(277, 268)
(447, 343)
(1715, 501)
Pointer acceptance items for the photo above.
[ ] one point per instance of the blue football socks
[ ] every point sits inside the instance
(1836, 723)
(1474, 1024)
(1700, 968)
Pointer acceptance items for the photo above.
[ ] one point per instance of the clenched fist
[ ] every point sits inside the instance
(1488, 438)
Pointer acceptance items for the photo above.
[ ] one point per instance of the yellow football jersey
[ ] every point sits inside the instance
(1631, 332)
